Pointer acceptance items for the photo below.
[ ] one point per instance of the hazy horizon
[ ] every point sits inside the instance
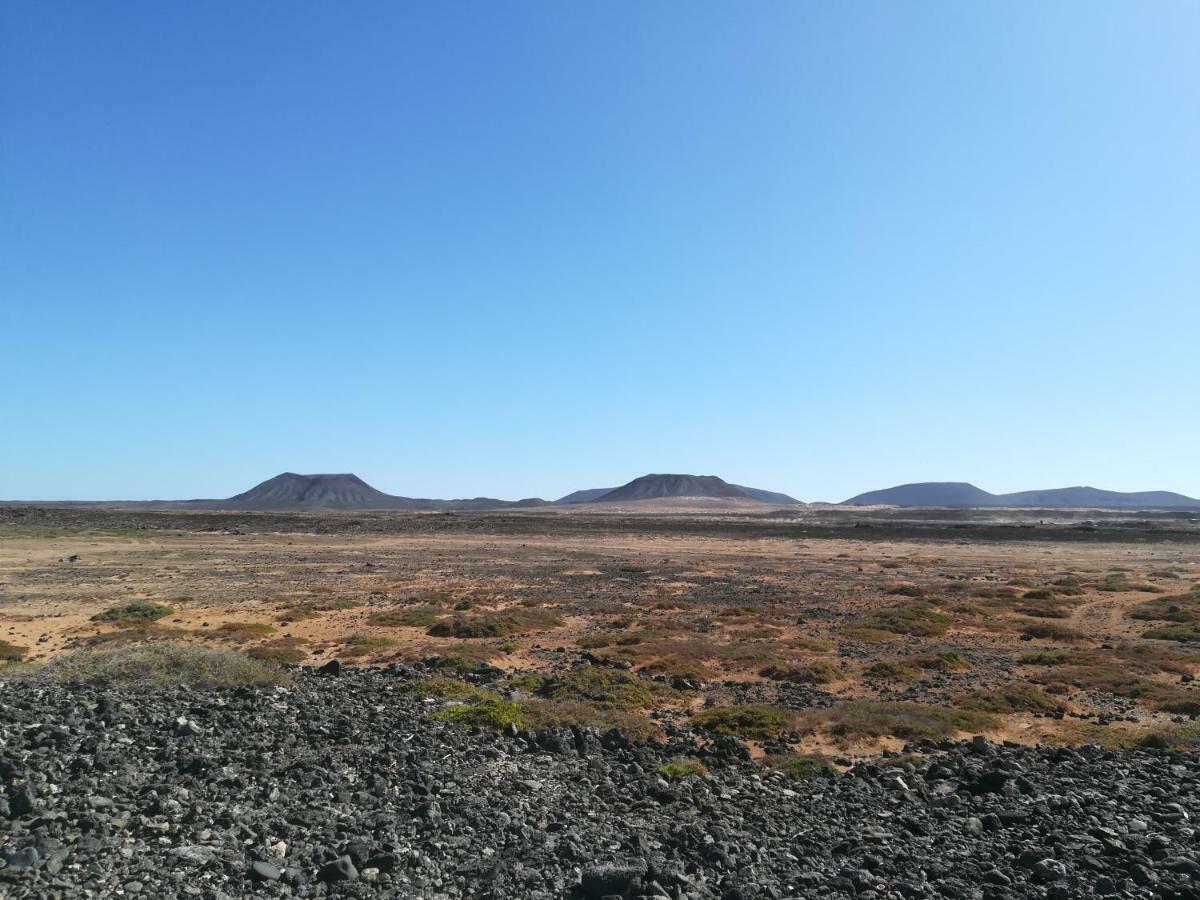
(518, 250)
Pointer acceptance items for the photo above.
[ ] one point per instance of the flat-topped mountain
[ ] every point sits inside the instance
(963, 495)
(658, 487)
(291, 491)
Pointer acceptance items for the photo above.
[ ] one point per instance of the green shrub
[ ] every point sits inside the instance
(917, 619)
(487, 713)
(810, 673)
(133, 613)
(1184, 633)
(802, 768)
(166, 664)
(907, 721)
(751, 721)
(1011, 698)
(11, 652)
(891, 670)
(412, 617)
(867, 634)
(1052, 632)
(612, 688)
(944, 661)
(495, 624)
(284, 650)
(365, 644)
(243, 631)
(679, 769)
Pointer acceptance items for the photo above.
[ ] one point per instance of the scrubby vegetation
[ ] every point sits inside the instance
(244, 631)
(819, 672)
(134, 613)
(495, 624)
(11, 652)
(891, 670)
(918, 619)
(166, 664)
(907, 721)
(357, 645)
(678, 769)
(751, 721)
(284, 650)
(412, 617)
(802, 768)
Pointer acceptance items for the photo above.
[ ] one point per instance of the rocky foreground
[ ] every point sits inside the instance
(344, 786)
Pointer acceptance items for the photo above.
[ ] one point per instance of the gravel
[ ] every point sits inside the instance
(343, 785)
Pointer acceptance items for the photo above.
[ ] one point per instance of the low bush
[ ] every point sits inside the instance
(678, 769)
(675, 667)
(243, 631)
(907, 721)
(412, 617)
(134, 613)
(945, 661)
(166, 664)
(917, 619)
(357, 645)
(808, 673)
(284, 650)
(495, 624)
(891, 670)
(11, 652)
(1010, 698)
(751, 721)
(1189, 633)
(802, 768)
(1052, 631)
(868, 635)
(490, 712)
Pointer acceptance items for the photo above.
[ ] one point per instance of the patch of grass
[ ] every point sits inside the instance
(135, 612)
(906, 590)
(243, 631)
(675, 667)
(412, 617)
(366, 644)
(491, 712)
(311, 609)
(808, 673)
(11, 652)
(944, 661)
(916, 619)
(563, 714)
(1182, 608)
(1189, 633)
(802, 768)
(609, 688)
(1010, 698)
(166, 664)
(495, 624)
(1051, 631)
(907, 721)
(891, 670)
(284, 650)
(750, 721)
(678, 769)
(447, 689)
(810, 643)
(1121, 584)
(1047, 658)
(1175, 737)
(868, 635)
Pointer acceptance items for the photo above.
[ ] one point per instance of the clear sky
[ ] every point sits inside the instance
(518, 248)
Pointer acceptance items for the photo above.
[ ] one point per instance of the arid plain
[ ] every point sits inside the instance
(836, 633)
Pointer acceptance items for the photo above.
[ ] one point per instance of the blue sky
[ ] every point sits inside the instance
(521, 248)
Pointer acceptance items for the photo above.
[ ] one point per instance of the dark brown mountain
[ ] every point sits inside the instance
(656, 487)
(962, 495)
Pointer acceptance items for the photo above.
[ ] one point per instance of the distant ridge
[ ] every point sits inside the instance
(658, 487)
(960, 494)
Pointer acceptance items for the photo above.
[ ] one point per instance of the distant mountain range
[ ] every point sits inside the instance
(658, 487)
(960, 494)
(290, 491)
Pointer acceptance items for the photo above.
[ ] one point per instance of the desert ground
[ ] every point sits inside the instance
(678, 701)
(843, 634)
